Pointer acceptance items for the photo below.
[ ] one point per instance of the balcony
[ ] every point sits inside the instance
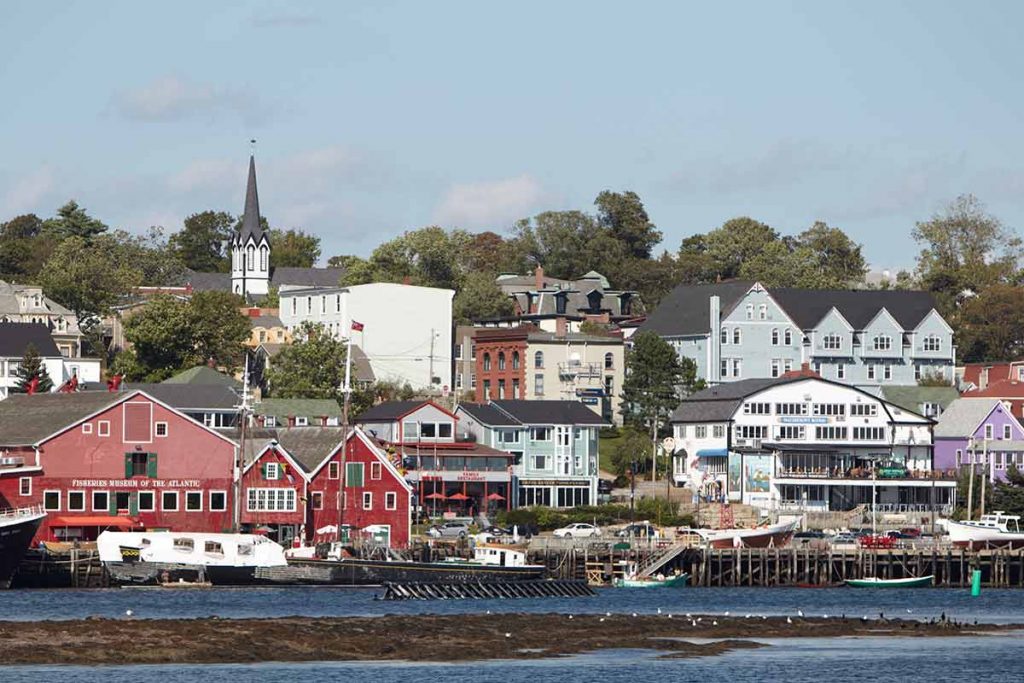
(864, 474)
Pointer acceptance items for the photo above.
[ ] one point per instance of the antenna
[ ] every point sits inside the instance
(252, 146)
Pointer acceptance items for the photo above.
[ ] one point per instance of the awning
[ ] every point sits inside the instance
(94, 520)
(713, 453)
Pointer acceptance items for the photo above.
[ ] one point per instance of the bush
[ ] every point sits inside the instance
(609, 432)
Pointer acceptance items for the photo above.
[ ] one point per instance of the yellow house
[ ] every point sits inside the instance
(267, 328)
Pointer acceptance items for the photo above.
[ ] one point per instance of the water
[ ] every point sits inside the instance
(993, 606)
(800, 660)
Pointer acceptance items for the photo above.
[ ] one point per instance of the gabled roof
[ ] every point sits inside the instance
(962, 417)
(305, 277)
(204, 375)
(390, 411)
(720, 402)
(191, 396)
(1003, 388)
(15, 338)
(911, 397)
(283, 408)
(310, 446)
(549, 412)
(489, 415)
(685, 310)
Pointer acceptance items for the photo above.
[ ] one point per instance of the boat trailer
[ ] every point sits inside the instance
(480, 590)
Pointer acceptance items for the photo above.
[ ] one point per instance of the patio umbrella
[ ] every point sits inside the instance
(458, 496)
(436, 496)
(329, 529)
(495, 496)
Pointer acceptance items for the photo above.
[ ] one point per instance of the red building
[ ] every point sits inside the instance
(274, 499)
(501, 362)
(1009, 391)
(376, 493)
(96, 460)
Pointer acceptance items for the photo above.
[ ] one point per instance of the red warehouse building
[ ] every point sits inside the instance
(376, 493)
(96, 460)
(273, 494)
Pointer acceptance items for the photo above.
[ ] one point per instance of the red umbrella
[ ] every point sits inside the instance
(436, 496)
(495, 496)
(458, 496)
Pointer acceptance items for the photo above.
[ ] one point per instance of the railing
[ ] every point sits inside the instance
(862, 473)
(792, 504)
(901, 508)
(22, 512)
(579, 369)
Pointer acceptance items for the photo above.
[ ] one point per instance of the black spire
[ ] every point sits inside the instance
(251, 218)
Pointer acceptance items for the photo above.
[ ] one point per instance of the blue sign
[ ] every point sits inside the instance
(804, 420)
(590, 392)
(590, 400)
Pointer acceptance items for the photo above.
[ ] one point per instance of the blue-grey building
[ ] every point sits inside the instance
(867, 338)
(554, 446)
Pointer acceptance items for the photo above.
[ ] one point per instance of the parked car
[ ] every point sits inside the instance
(638, 530)
(498, 531)
(846, 539)
(449, 530)
(577, 530)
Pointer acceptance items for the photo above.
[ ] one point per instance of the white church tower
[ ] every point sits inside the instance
(250, 247)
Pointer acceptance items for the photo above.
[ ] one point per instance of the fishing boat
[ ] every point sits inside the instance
(912, 582)
(997, 530)
(769, 536)
(166, 557)
(679, 580)
(17, 529)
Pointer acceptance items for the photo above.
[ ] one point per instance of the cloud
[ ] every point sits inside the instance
(170, 98)
(283, 20)
(27, 192)
(489, 204)
(204, 174)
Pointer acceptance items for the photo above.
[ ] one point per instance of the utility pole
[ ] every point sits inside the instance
(984, 479)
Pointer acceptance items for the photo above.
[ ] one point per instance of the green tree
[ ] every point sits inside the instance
(624, 216)
(218, 328)
(633, 446)
(965, 249)
(489, 252)
(73, 221)
(24, 247)
(313, 366)
(203, 243)
(88, 276)
(150, 254)
(989, 324)
(1009, 495)
(32, 367)
(569, 244)
(694, 265)
(735, 243)
(838, 259)
(293, 248)
(480, 298)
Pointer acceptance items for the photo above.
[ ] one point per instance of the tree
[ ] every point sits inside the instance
(293, 248)
(965, 250)
(569, 244)
(88, 276)
(218, 328)
(23, 247)
(633, 446)
(735, 243)
(203, 242)
(933, 379)
(311, 367)
(694, 265)
(1009, 495)
(624, 216)
(991, 325)
(480, 298)
(489, 252)
(838, 259)
(32, 367)
(427, 257)
(150, 254)
(73, 221)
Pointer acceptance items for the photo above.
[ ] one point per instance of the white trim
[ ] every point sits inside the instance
(138, 499)
(889, 315)
(209, 503)
(124, 420)
(100, 424)
(936, 314)
(156, 429)
(394, 500)
(381, 456)
(92, 500)
(20, 481)
(194, 491)
(59, 500)
(85, 505)
(277, 447)
(177, 501)
(367, 500)
(839, 315)
(87, 428)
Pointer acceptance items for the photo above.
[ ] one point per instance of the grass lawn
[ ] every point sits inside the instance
(605, 447)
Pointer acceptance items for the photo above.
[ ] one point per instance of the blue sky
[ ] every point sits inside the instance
(378, 117)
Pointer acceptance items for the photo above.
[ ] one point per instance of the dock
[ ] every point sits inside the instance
(480, 590)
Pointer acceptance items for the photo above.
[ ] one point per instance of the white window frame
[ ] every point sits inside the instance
(1007, 432)
(301, 421)
(156, 430)
(882, 342)
(84, 504)
(316, 500)
(840, 371)
(886, 370)
(177, 501)
(272, 467)
(152, 505)
(334, 470)
(210, 506)
(103, 428)
(762, 312)
(871, 370)
(376, 471)
(390, 500)
(194, 492)
(21, 486)
(87, 427)
(832, 342)
(59, 501)
(92, 500)
(787, 337)
(367, 500)
(737, 336)
(989, 432)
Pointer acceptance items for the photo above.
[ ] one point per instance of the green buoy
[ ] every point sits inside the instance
(975, 583)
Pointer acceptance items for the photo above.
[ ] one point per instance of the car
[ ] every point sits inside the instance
(498, 531)
(844, 539)
(577, 530)
(449, 530)
(638, 530)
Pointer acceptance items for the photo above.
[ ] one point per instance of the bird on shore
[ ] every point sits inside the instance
(714, 623)
(601, 620)
(634, 614)
(670, 616)
(508, 635)
(570, 616)
(800, 613)
(607, 614)
(789, 620)
(659, 610)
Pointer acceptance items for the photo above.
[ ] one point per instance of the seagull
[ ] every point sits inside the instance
(693, 623)
(607, 614)
(659, 610)
(488, 611)
(634, 614)
(789, 620)
(726, 614)
(670, 616)
(764, 618)
(714, 623)
(128, 612)
(601, 619)
(688, 616)
(508, 635)
(747, 617)
(699, 618)
(570, 616)
(824, 616)
(910, 611)
(800, 613)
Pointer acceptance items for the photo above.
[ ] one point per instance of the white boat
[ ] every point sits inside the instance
(772, 536)
(997, 530)
(170, 557)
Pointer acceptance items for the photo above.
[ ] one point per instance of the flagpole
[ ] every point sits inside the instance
(347, 391)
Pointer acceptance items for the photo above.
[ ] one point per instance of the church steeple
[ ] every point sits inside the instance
(250, 249)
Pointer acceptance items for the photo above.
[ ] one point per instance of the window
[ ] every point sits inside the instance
(868, 433)
(25, 486)
(538, 360)
(725, 367)
(863, 409)
(279, 500)
(817, 367)
(515, 388)
(700, 432)
(353, 474)
(751, 431)
(100, 501)
(87, 428)
(775, 370)
(1007, 432)
(333, 470)
(193, 501)
(147, 501)
(762, 312)
(609, 361)
(103, 428)
(775, 337)
(871, 371)
(218, 501)
(829, 409)
(917, 372)
(988, 432)
(508, 436)
(501, 389)
(725, 335)
(787, 338)
(271, 471)
(540, 462)
(137, 464)
(830, 433)
(515, 360)
(270, 421)
(787, 365)
(501, 360)
(737, 367)
(301, 421)
(390, 500)
(833, 342)
(932, 343)
(410, 430)
(791, 432)
(185, 545)
(309, 305)
(169, 501)
(122, 500)
(538, 385)
(719, 431)
(375, 469)
(487, 362)
(790, 408)
(367, 500)
(737, 336)
(213, 548)
(882, 342)
(750, 311)
(487, 389)
(250, 258)
(161, 429)
(458, 352)
(76, 501)
(540, 433)
(317, 498)
(757, 408)
(840, 371)
(887, 371)
(932, 410)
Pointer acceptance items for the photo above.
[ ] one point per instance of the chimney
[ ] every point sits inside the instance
(254, 312)
(538, 278)
(560, 327)
(714, 318)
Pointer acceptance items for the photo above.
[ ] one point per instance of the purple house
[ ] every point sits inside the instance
(982, 430)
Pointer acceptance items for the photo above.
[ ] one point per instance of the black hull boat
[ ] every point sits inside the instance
(356, 572)
(17, 529)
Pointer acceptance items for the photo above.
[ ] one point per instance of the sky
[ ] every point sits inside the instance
(374, 118)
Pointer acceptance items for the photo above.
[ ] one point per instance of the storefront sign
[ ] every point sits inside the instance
(791, 420)
(553, 482)
(470, 476)
(137, 483)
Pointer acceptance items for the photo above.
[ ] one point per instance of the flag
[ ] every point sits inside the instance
(356, 326)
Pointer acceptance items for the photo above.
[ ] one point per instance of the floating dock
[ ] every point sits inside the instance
(554, 588)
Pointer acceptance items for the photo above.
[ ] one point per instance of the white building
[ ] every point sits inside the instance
(250, 247)
(14, 341)
(28, 304)
(802, 442)
(406, 330)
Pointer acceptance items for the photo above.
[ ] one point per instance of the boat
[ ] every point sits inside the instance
(912, 582)
(679, 580)
(769, 536)
(491, 562)
(997, 530)
(18, 527)
(167, 557)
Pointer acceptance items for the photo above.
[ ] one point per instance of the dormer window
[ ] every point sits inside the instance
(625, 303)
(594, 300)
(560, 303)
